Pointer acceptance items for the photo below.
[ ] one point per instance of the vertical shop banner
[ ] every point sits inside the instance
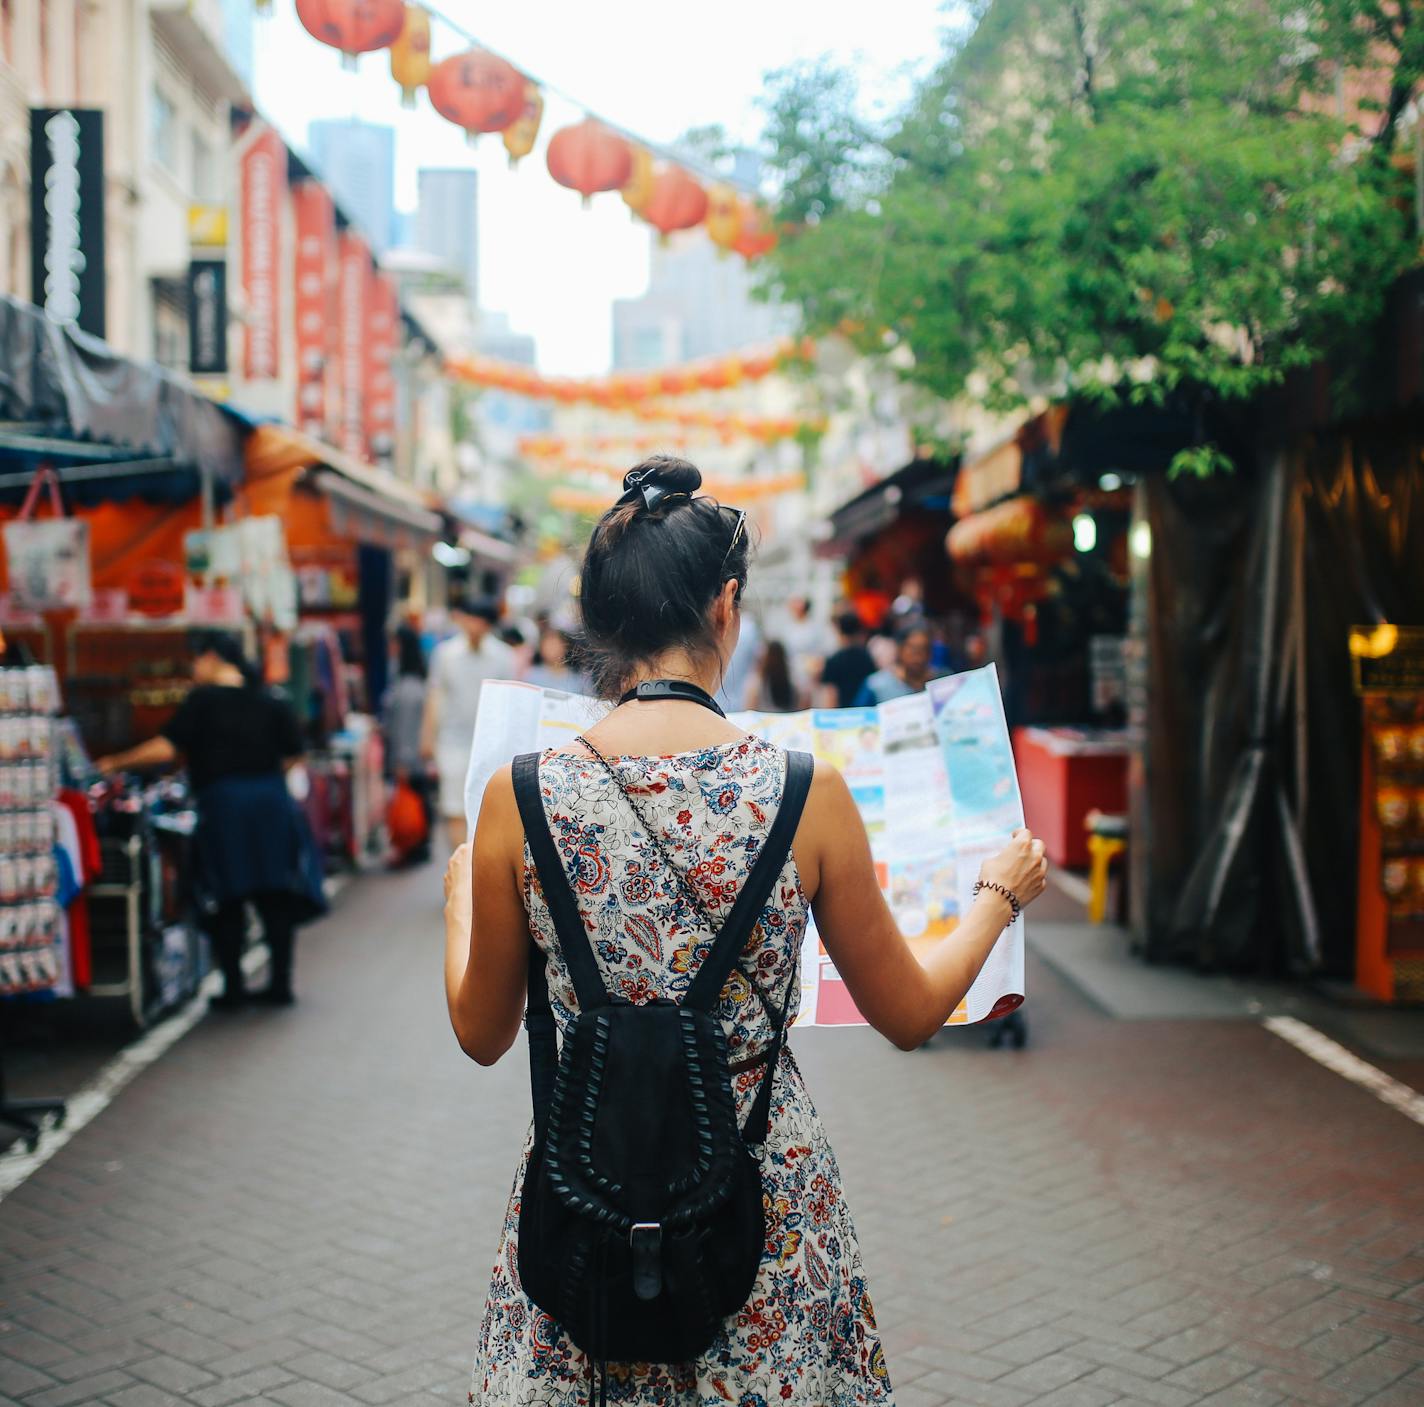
(207, 317)
(315, 276)
(355, 281)
(382, 325)
(263, 180)
(67, 215)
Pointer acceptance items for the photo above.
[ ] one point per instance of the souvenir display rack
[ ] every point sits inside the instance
(30, 953)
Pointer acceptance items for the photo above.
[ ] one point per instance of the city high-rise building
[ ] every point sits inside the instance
(357, 162)
(447, 222)
(699, 301)
(699, 304)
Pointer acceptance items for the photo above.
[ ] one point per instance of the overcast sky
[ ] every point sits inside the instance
(655, 68)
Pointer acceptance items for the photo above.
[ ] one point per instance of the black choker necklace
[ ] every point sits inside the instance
(683, 690)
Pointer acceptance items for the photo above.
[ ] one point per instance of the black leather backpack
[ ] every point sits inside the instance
(641, 1224)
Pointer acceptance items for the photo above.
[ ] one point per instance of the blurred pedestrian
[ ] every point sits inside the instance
(771, 689)
(737, 671)
(252, 843)
(459, 667)
(633, 899)
(552, 667)
(909, 673)
(848, 667)
(808, 643)
(403, 718)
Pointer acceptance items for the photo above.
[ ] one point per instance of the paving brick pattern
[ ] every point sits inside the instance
(299, 1208)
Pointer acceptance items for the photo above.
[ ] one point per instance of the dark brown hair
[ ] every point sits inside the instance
(651, 574)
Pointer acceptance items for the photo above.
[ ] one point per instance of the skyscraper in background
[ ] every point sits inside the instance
(357, 160)
(699, 302)
(447, 222)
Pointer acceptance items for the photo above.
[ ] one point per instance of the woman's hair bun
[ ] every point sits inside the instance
(664, 471)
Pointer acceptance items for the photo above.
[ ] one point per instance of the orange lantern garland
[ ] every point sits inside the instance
(410, 54)
(677, 202)
(478, 91)
(353, 26)
(523, 132)
(589, 158)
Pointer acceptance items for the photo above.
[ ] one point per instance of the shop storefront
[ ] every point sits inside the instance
(890, 536)
(354, 535)
(95, 615)
(1043, 555)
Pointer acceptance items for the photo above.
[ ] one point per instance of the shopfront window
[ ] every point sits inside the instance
(207, 186)
(163, 130)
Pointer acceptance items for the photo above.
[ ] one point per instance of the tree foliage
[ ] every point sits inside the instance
(1109, 197)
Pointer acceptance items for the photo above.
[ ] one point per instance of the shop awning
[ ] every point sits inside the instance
(924, 483)
(368, 516)
(68, 397)
(366, 504)
(489, 549)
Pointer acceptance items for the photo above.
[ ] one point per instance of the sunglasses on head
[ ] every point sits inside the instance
(738, 532)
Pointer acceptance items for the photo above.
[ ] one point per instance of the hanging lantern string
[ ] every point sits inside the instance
(671, 154)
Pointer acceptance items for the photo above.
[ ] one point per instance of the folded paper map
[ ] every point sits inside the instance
(933, 776)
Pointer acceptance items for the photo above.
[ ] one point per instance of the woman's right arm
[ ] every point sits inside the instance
(156, 752)
(906, 998)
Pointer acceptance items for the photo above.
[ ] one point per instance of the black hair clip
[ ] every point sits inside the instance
(644, 482)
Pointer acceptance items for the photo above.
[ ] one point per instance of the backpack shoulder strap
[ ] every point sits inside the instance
(712, 976)
(573, 938)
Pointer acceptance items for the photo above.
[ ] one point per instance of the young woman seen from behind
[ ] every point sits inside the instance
(658, 829)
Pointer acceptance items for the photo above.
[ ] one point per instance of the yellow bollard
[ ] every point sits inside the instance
(1102, 850)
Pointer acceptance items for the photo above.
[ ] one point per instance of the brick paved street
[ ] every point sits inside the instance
(299, 1208)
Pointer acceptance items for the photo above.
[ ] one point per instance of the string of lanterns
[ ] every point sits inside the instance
(633, 389)
(482, 93)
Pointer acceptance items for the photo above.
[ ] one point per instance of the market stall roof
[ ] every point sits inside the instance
(923, 483)
(113, 426)
(367, 503)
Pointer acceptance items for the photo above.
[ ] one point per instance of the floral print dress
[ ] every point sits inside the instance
(807, 1335)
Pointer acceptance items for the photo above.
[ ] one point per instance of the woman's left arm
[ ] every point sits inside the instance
(487, 930)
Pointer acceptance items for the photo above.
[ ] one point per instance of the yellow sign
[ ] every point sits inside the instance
(1387, 658)
(207, 226)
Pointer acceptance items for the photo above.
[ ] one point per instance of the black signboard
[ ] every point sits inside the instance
(67, 214)
(207, 317)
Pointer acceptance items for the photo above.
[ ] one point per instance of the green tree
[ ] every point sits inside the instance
(1108, 197)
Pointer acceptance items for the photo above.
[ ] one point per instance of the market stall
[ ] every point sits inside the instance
(352, 533)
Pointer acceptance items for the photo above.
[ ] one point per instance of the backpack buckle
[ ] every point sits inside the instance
(646, 1240)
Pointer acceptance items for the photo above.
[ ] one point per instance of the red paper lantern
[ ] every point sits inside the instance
(677, 202)
(478, 91)
(353, 26)
(588, 158)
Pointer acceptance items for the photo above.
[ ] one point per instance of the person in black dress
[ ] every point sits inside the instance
(252, 843)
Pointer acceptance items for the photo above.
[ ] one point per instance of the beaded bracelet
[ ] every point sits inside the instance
(999, 889)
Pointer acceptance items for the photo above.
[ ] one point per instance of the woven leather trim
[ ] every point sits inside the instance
(568, 1153)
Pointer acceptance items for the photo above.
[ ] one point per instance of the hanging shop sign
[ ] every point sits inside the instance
(988, 479)
(263, 179)
(207, 317)
(315, 284)
(1019, 531)
(379, 384)
(354, 274)
(67, 215)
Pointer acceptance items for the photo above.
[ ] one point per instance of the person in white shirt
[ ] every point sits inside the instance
(459, 667)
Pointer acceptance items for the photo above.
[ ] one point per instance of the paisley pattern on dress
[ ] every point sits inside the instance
(807, 1335)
